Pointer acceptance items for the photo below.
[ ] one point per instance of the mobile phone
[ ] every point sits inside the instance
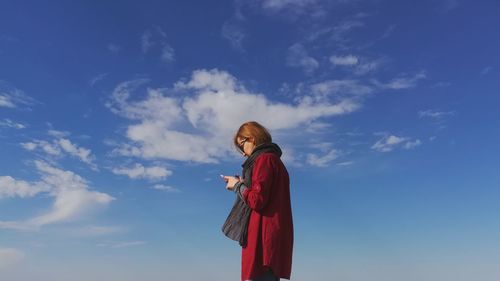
(222, 177)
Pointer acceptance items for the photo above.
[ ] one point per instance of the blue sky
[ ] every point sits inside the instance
(116, 121)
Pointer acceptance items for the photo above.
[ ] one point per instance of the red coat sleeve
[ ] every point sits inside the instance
(257, 195)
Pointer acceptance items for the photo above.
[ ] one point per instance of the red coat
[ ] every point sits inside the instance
(270, 229)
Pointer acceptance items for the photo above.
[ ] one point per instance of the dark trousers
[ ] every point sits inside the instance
(268, 276)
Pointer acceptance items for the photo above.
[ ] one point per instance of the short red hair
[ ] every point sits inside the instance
(252, 130)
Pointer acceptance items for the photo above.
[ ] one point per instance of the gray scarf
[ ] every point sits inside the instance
(236, 225)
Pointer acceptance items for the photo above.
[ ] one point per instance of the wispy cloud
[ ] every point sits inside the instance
(94, 230)
(234, 34)
(166, 188)
(434, 114)
(61, 145)
(337, 34)
(282, 4)
(293, 9)
(438, 118)
(139, 171)
(72, 194)
(125, 244)
(97, 79)
(358, 65)
(11, 124)
(403, 82)
(390, 142)
(157, 37)
(344, 60)
(13, 98)
(6, 101)
(367, 66)
(82, 153)
(322, 160)
(341, 88)
(297, 57)
(167, 53)
(45, 146)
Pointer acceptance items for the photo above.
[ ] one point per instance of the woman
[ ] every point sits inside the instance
(265, 189)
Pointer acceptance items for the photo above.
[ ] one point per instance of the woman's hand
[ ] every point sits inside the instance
(231, 181)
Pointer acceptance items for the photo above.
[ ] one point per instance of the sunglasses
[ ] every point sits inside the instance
(242, 143)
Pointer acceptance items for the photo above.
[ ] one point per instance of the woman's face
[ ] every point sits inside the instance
(246, 145)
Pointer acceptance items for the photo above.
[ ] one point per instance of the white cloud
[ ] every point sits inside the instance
(122, 244)
(358, 65)
(58, 134)
(12, 98)
(322, 160)
(29, 145)
(344, 60)
(60, 145)
(139, 171)
(402, 82)
(10, 187)
(11, 124)
(435, 114)
(166, 188)
(155, 140)
(213, 80)
(390, 142)
(121, 94)
(228, 107)
(82, 153)
(346, 163)
(72, 194)
(297, 57)
(45, 146)
(210, 107)
(156, 107)
(10, 257)
(6, 101)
